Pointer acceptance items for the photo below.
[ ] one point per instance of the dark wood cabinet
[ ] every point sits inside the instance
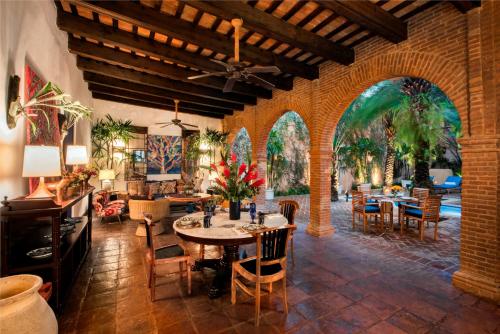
(31, 224)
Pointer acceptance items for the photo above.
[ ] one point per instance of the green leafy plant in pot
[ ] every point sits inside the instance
(235, 182)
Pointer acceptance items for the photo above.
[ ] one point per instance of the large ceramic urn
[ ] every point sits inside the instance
(22, 309)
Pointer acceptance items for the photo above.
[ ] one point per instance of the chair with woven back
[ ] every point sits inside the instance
(362, 208)
(268, 266)
(427, 213)
(169, 254)
(289, 208)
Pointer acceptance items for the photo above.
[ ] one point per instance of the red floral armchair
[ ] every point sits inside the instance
(105, 208)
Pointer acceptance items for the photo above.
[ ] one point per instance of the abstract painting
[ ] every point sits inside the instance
(164, 154)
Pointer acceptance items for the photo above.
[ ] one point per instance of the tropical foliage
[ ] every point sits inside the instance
(106, 135)
(242, 146)
(400, 125)
(288, 156)
(234, 181)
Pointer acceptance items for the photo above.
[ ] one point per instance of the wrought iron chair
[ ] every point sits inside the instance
(268, 266)
(174, 253)
(363, 209)
(428, 213)
(289, 208)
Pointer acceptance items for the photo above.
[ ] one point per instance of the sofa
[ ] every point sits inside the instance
(160, 209)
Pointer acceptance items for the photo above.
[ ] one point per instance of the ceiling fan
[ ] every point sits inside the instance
(176, 121)
(237, 71)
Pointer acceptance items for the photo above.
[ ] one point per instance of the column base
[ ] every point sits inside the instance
(320, 231)
(478, 285)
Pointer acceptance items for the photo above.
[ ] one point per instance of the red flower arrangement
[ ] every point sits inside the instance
(236, 182)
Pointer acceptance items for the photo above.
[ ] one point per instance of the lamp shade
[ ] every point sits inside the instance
(40, 161)
(77, 155)
(106, 174)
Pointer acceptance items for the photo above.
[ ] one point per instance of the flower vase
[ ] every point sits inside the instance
(234, 210)
(22, 308)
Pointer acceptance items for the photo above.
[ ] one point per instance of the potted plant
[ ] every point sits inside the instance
(235, 182)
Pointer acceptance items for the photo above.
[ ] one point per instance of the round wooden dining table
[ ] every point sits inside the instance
(227, 233)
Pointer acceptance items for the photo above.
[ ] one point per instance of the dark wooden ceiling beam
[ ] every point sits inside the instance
(271, 26)
(152, 80)
(100, 32)
(155, 91)
(465, 5)
(154, 99)
(118, 99)
(371, 17)
(152, 19)
(114, 57)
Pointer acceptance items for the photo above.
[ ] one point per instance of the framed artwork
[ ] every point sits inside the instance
(48, 128)
(138, 156)
(164, 154)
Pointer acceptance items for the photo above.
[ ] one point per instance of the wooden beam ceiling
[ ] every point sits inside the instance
(106, 97)
(156, 21)
(271, 26)
(465, 5)
(142, 64)
(155, 99)
(130, 41)
(155, 91)
(152, 80)
(371, 17)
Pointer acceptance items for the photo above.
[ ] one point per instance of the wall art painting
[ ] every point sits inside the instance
(164, 154)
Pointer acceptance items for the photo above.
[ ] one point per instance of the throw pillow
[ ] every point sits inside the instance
(169, 187)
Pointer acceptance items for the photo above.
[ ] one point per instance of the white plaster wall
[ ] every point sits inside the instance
(142, 116)
(28, 32)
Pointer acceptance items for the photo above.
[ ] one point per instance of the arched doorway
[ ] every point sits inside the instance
(287, 159)
(242, 146)
(401, 132)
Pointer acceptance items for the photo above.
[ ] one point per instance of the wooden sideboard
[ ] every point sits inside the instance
(28, 224)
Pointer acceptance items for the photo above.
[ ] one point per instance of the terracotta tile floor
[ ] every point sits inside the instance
(347, 283)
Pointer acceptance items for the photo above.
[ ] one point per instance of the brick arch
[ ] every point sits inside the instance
(448, 76)
(262, 133)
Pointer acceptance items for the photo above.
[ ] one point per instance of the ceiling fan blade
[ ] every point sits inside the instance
(164, 126)
(228, 67)
(194, 77)
(262, 69)
(228, 87)
(166, 123)
(186, 124)
(259, 81)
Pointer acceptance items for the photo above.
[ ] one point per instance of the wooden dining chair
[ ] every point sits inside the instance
(268, 266)
(428, 213)
(363, 210)
(289, 208)
(169, 254)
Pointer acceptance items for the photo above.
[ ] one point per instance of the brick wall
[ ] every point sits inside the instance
(457, 52)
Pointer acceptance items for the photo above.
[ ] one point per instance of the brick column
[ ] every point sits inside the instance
(320, 223)
(480, 234)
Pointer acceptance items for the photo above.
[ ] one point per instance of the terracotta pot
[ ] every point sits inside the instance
(22, 309)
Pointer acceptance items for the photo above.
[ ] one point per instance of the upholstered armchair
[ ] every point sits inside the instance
(104, 208)
(159, 209)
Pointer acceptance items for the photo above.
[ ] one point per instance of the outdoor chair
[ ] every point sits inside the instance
(268, 266)
(428, 213)
(169, 254)
(452, 183)
(289, 208)
(362, 208)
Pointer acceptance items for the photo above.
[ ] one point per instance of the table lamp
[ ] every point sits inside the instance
(41, 161)
(106, 175)
(76, 155)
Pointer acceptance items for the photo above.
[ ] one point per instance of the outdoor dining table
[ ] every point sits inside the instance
(394, 199)
(227, 233)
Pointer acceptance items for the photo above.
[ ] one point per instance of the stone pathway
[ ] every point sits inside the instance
(346, 283)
